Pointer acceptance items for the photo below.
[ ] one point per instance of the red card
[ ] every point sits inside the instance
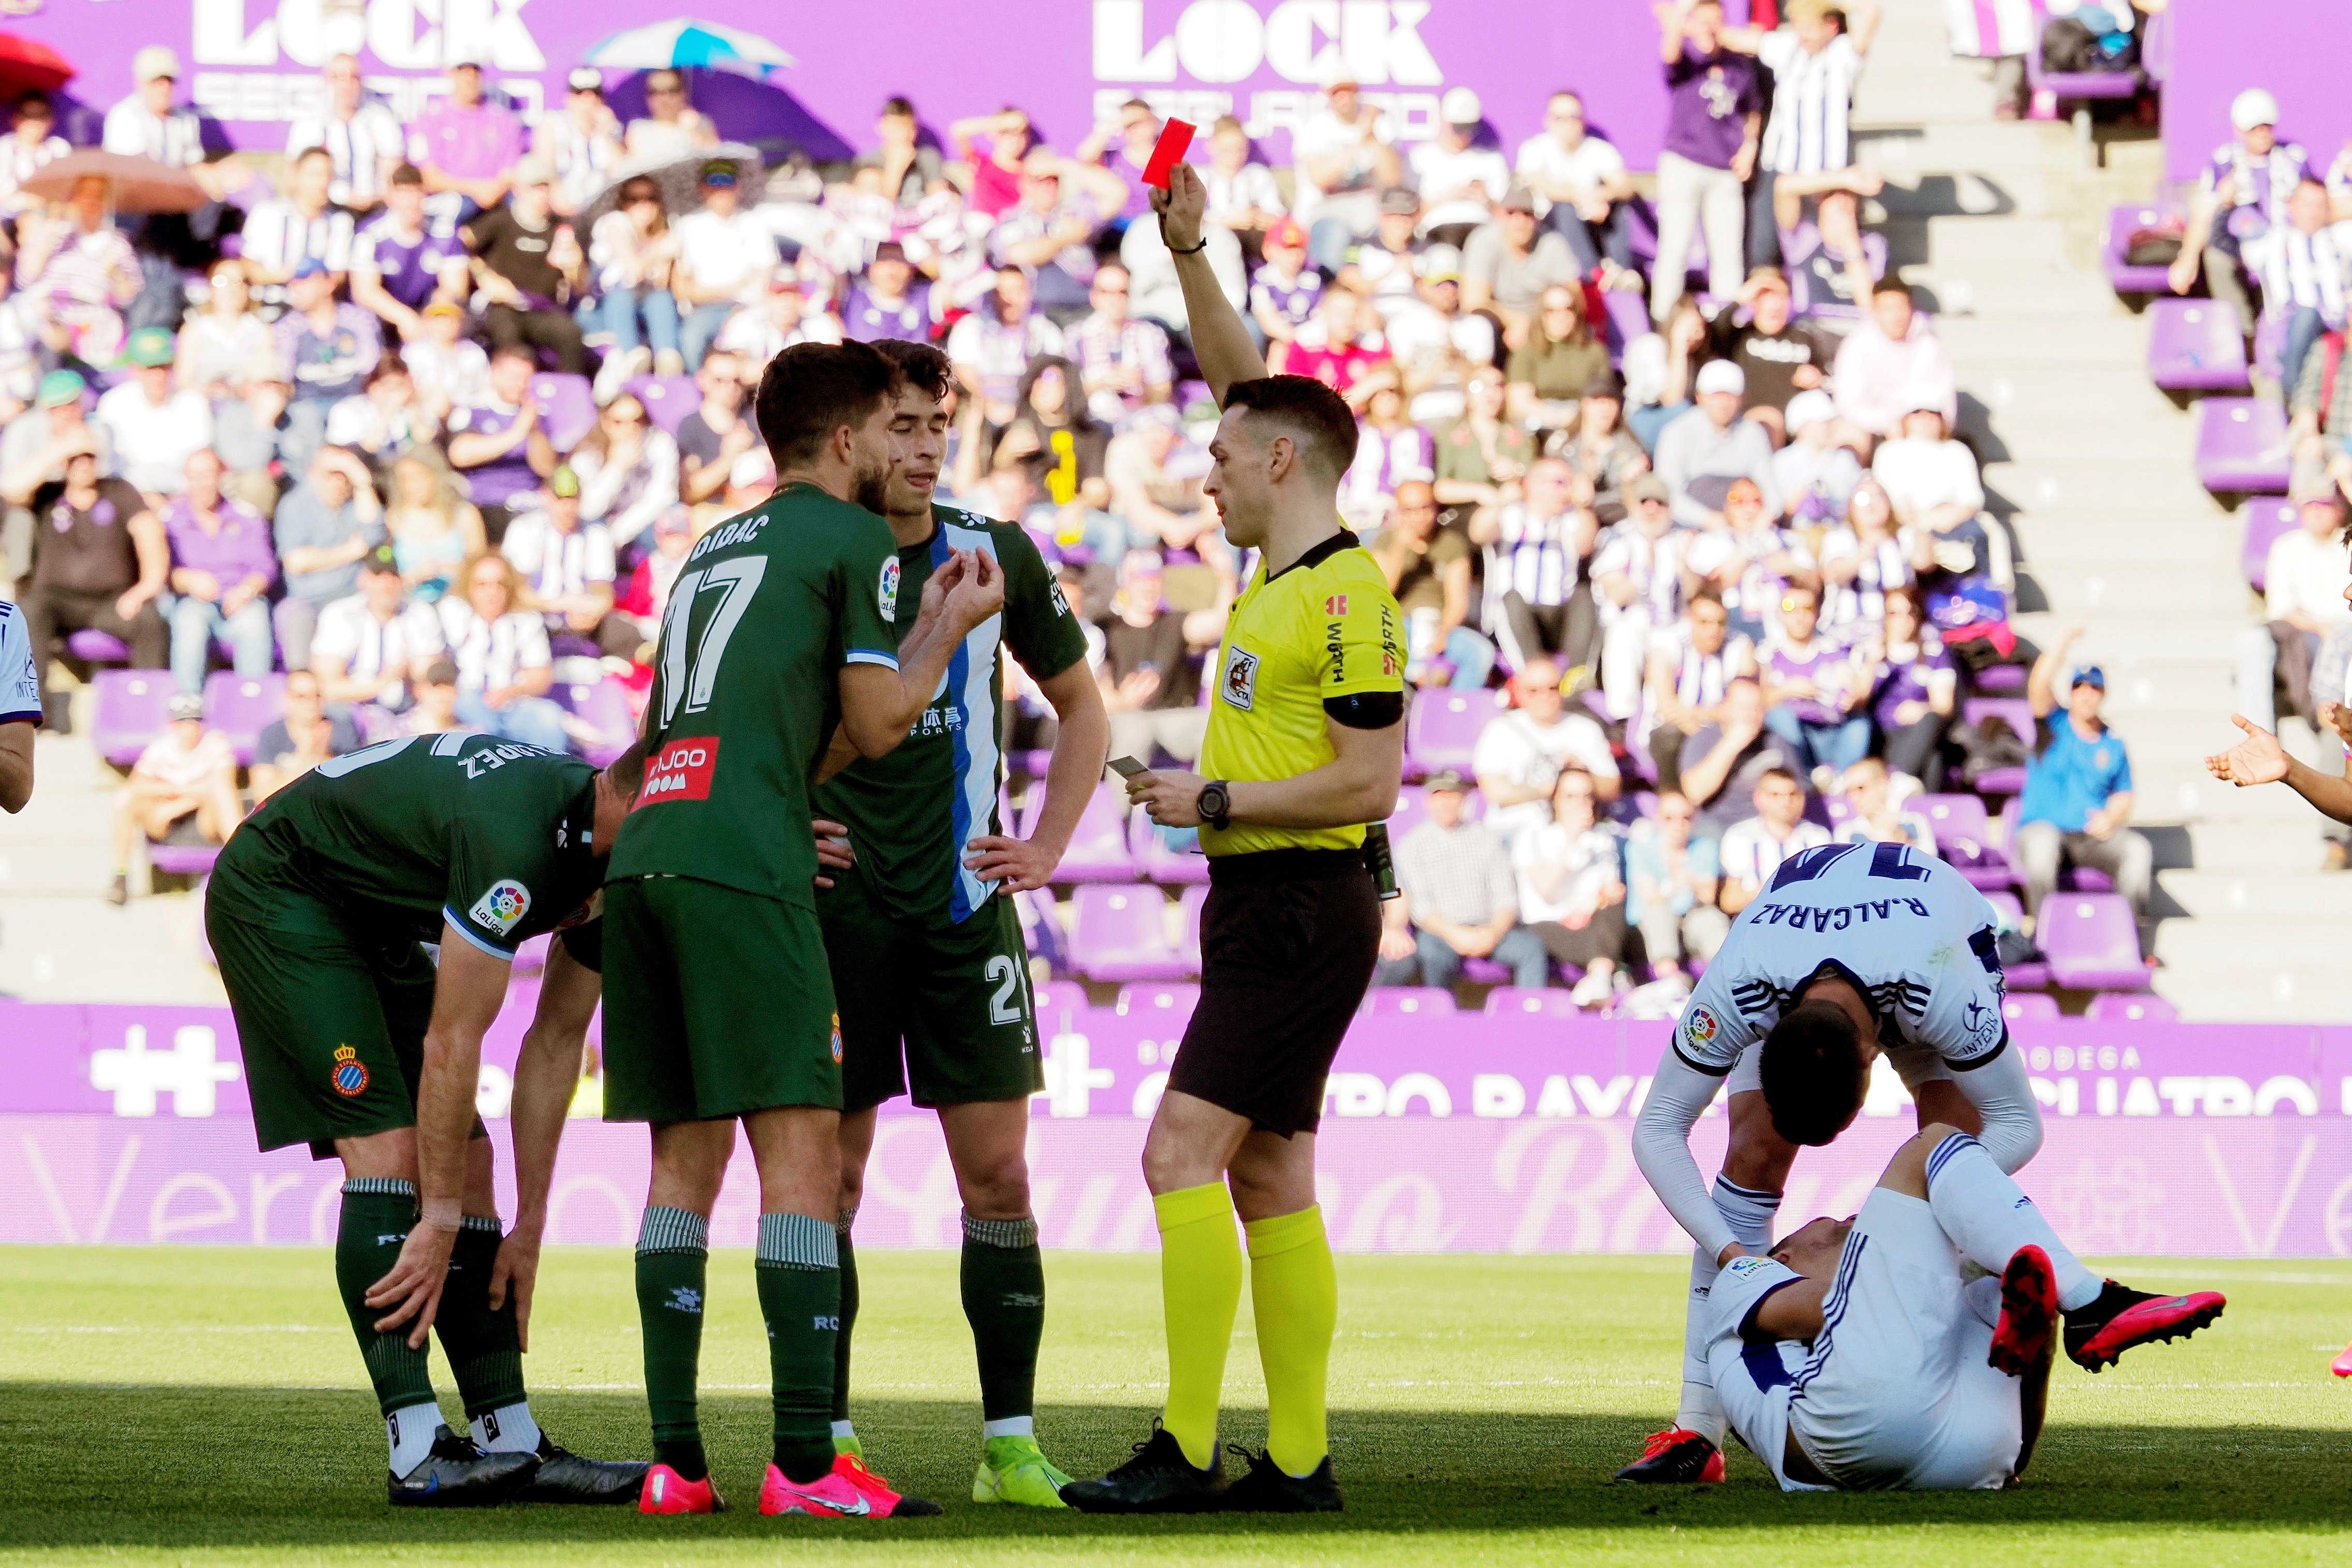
(1167, 152)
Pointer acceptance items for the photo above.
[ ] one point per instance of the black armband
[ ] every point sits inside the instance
(1365, 710)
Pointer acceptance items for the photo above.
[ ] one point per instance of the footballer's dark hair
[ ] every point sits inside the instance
(1306, 410)
(1813, 1072)
(812, 390)
(921, 365)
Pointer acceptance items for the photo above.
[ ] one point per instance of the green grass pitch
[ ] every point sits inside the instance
(206, 1405)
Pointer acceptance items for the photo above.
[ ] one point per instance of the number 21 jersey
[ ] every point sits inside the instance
(1904, 929)
(769, 607)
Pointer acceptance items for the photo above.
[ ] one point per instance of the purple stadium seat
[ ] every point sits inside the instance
(2122, 224)
(1121, 934)
(2195, 345)
(242, 707)
(2267, 518)
(2241, 446)
(1170, 1004)
(2033, 1006)
(1964, 837)
(2020, 715)
(182, 860)
(2018, 977)
(2092, 942)
(2079, 88)
(1485, 972)
(1410, 808)
(1443, 730)
(1041, 927)
(2109, 1006)
(1551, 1002)
(2002, 679)
(567, 406)
(1052, 1000)
(1628, 319)
(131, 709)
(2085, 878)
(1098, 850)
(1381, 1001)
(92, 646)
(1163, 864)
(2270, 347)
(667, 399)
(602, 707)
(1191, 902)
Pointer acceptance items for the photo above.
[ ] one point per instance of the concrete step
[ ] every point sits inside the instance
(48, 871)
(2042, 392)
(2236, 846)
(2233, 993)
(1948, 239)
(2169, 791)
(1906, 145)
(1892, 91)
(2318, 897)
(64, 949)
(2090, 482)
(2103, 337)
(2250, 945)
(2140, 586)
(2037, 292)
(2048, 535)
(2139, 440)
(2021, 193)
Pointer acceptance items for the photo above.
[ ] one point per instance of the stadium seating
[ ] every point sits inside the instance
(1384, 1001)
(1041, 927)
(2079, 88)
(2019, 713)
(2241, 446)
(2020, 977)
(1170, 1004)
(2030, 1007)
(2122, 224)
(129, 709)
(2267, 518)
(1195, 898)
(2112, 1007)
(1443, 731)
(567, 407)
(2000, 679)
(242, 707)
(2091, 942)
(1964, 837)
(1178, 865)
(1121, 934)
(92, 646)
(603, 708)
(2269, 348)
(1551, 1002)
(1098, 847)
(2196, 346)
(667, 399)
(1055, 999)
(182, 860)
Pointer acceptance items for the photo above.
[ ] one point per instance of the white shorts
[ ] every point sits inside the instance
(1897, 1393)
(1751, 1384)
(1915, 1064)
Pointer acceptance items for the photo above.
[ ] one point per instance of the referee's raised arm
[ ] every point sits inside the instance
(1221, 341)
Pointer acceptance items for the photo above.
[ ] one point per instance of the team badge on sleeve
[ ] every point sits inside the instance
(351, 1074)
(886, 595)
(503, 907)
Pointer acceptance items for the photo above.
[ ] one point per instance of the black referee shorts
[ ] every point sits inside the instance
(1288, 941)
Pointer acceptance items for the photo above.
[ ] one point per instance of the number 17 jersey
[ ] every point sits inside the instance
(768, 607)
(1904, 928)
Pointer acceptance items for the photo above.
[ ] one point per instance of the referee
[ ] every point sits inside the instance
(1306, 743)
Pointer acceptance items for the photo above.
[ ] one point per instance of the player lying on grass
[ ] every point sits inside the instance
(931, 975)
(358, 1044)
(1860, 1355)
(1852, 951)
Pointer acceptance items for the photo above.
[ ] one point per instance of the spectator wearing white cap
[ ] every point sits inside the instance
(1889, 360)
(1436, 343)
(1584, 192)
(1639, 570)
(2241, 195)
(1701, 453)
(149, 124)
(362, 135)
(1342, 158)
(2304, 583)
(1816, 469)
(726, 257)
(1459, 179)
(585, 140)
(181, 791)
(1714, 121)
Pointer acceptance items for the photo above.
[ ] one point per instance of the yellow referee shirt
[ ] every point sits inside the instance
(1325, 626)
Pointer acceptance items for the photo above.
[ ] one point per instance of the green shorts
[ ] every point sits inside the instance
(716, 1004)
(331, 1025)
(955, 998)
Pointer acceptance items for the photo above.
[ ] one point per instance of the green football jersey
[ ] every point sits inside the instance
(491, 836)
(767, 610)
(911, 814)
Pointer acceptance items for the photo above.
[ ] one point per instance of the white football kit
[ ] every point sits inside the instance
(20, 671)
(1896, 1391)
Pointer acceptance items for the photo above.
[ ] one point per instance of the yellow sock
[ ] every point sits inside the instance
(1296, 1297)
(1199, 1291)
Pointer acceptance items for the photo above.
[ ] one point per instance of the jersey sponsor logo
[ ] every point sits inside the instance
(1335, 604)
(1982, 1022)
(506, 903)
(680, 770)
(349, 1076)
(1238, 685)
(885, 593)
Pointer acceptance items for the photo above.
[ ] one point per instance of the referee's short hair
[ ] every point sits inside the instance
(923, 367)
(1306, 410)
(1813, 1072)
(812, 390)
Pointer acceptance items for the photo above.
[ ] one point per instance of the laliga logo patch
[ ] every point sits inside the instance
(887, 595)
(502, 907)
(836, 1040)
(351, 1074)
(1700, 1027)
(1742, 1266)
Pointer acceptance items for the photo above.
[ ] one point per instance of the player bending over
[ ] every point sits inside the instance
(356, 1043)
(930, 970)
(719, 1005)
(1860, 1357)
(1854, 950)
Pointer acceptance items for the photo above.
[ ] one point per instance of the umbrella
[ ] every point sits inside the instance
(139, 184)
(683, 41)
(27, 65)
(680, 180)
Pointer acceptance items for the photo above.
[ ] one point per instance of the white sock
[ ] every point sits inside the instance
(1749, 1215)
(843, 1429)
(1989, 1217)
(1011, 1427)
(410, 1431)
(509, 1429)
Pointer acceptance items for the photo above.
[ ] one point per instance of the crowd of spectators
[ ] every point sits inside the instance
(427, 416)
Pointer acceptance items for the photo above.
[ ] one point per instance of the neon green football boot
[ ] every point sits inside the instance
(1015, 1470)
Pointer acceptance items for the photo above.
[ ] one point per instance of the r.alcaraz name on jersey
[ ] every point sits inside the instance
(1906, 929)
(911, 814)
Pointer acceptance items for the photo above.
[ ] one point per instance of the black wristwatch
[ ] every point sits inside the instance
(1216, 805)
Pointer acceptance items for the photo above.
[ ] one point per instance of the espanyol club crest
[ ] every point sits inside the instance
(351, 1074)
(886, 595)
(836, 1040)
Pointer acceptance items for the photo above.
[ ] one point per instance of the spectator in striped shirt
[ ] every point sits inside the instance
(304, 225)
(585, 140)
(360, 134)
(504, 667)
(83, 276)
(149, 124)
(2242, 195)
(1537, 600)
(1123, 360)
(2303, 277)
(1808, 140)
